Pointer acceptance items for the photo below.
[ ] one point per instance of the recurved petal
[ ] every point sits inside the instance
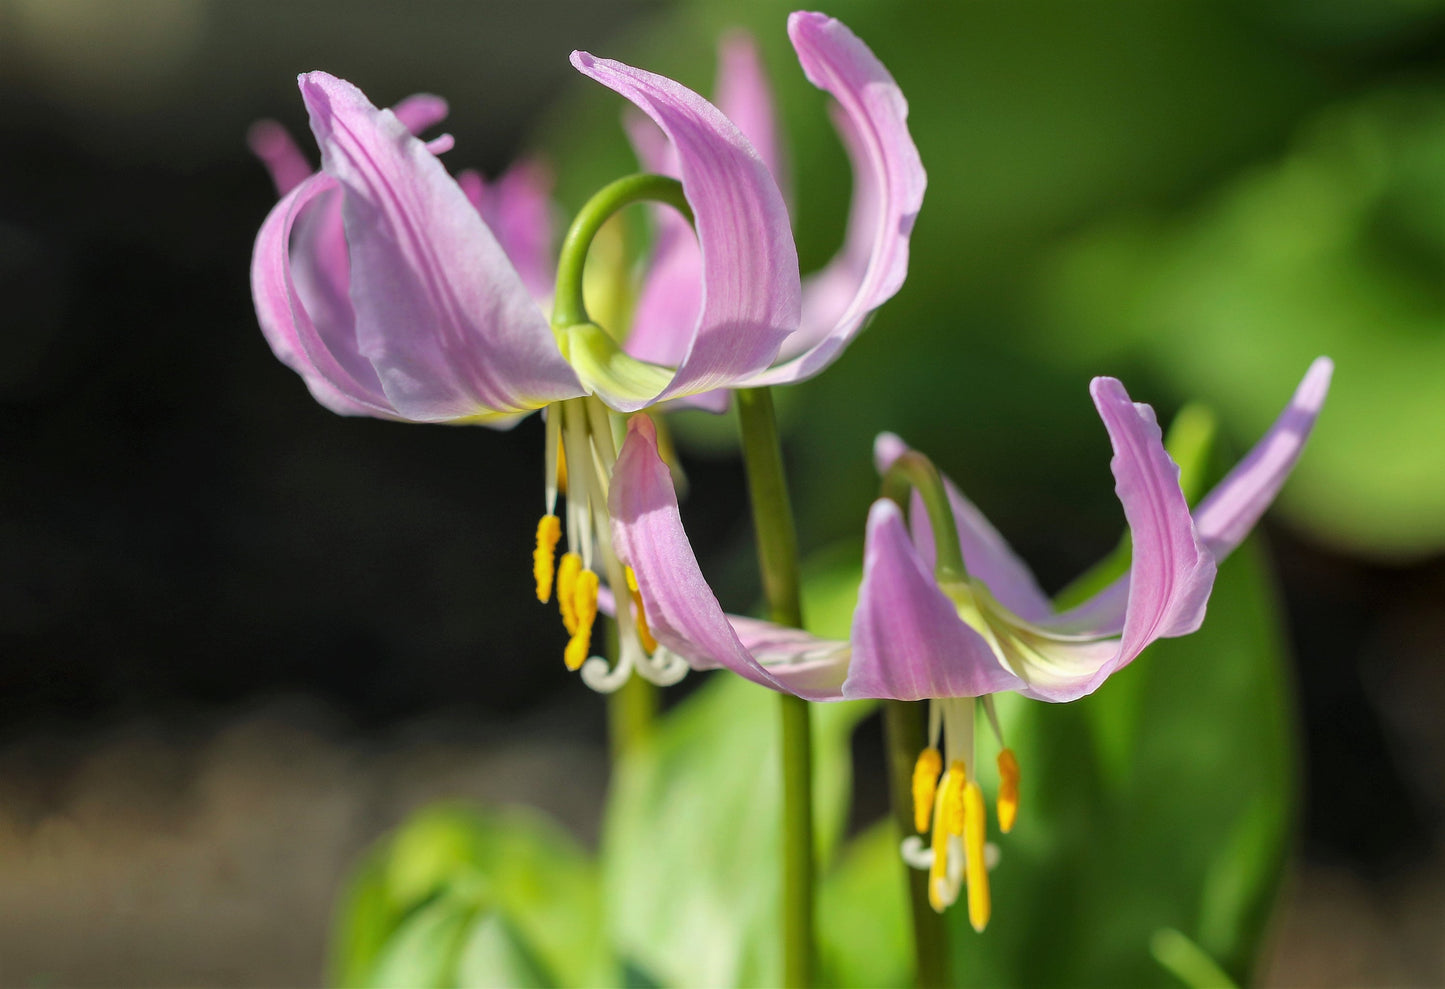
(908, 640)
(336, 375)
(744, 96)
(986, 553)
(271, 142)
(420, 111)
(888, 191)
(750, 285)
(682, 611)
(440, 311)
(1227, 513)
(1172, 572)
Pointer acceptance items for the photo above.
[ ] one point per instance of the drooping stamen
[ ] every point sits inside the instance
(644, 634)
(938, 892)
(549, 531)
(562, 469)
(925, 786)
(584, 607)
(1008, 790)
(953, 807)
(974, 842)
(567, 574)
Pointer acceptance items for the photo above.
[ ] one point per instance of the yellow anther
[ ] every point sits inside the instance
(1008, 790)
(951, 806)
(975, 867)
(925, 784)
(643, 632)
(567, 572)
(549, 530)
(584, 605)
(939, 896)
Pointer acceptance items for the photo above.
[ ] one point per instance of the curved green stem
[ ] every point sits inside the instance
(777, 543)
(914, 470)
(569, 308)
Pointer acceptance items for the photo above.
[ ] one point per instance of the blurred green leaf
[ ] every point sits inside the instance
(1337, 248)
(468, 888)
(864, 938)
(692, 835)
(1164, 800)
(424, 949)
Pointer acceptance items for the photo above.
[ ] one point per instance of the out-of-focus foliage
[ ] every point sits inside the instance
(693, 836)
(1337, 248)
(471, 897)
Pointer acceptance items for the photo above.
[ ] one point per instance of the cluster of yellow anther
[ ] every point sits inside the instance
(576, 590)
(953, 805)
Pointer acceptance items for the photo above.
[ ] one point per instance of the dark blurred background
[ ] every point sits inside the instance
(243, 636)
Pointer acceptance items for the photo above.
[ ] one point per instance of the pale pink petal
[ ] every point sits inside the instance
(908, 642)
(440, 311)
(518, 209)
(271, 142)
(682, 611)
(1227, 513)
(744, 96)
(336, 375)
(750, 280)
(1171, 575)
(889, 182)
(1231, 509)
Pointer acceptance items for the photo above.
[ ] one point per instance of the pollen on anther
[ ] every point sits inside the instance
(584, 605)
(951, 808)
(925, 784)
(567, 572)
(975, 852)
(549, 531)
(1008, 790)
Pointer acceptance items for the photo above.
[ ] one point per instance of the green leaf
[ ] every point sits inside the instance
(422, 952)
(1335, 248)
(691, 841)
(863, 927)
(536, 892)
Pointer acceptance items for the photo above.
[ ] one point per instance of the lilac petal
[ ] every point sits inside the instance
(440, 311)
(1172, 572)
(908, 641)
(889, 182)
(986, 553)
(751, 289)
(744, 96)
(682, 611)
(336, 376)
(518, 209)
(420, 111)
(1227, 513)
(271, 142)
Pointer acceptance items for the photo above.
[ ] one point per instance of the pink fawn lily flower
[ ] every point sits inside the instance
(398, 292)
(983, 629)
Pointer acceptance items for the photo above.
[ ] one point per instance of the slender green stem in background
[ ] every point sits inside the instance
(631, 708)
(778, 561)
(905, 737)
(568, 307)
